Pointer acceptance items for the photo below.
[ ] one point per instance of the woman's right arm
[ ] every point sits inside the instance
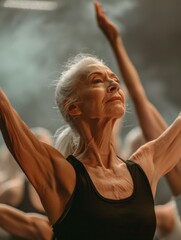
(44, 166)
(25, 225)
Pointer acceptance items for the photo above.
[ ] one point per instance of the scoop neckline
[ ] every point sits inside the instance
(99, 194)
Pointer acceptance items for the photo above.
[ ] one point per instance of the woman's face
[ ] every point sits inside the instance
(100, 95)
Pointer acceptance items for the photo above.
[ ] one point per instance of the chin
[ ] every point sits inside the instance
(116, 111)
(119, 112)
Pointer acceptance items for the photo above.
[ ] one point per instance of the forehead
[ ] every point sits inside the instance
(98, 69)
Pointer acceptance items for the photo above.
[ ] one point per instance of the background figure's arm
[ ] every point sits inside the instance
(151, 121)
(27, 226)
(177, 200)
(168, 221)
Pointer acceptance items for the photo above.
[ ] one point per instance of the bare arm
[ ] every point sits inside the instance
(25, 225)
(147, 113)
(151, 122)
(44, 166)
(154, 157)
(168, 221)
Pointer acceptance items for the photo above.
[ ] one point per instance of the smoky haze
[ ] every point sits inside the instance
(35, 44)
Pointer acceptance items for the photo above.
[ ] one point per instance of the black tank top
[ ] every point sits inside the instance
(26, 205)
(90, 216)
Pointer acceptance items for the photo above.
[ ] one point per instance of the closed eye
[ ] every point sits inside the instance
(117, 80)
(97, 80)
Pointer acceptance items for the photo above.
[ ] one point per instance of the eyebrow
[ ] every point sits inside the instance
(113, 74)
(110, 73)
(94, 73)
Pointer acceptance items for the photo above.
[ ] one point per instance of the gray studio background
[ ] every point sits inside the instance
(34, 44)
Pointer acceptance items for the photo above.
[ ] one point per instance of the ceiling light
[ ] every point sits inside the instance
(32, 5)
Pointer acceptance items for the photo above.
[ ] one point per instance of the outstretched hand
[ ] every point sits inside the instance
(108, 28)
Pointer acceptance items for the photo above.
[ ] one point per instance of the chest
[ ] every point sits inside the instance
(112, 185)
(109, 218)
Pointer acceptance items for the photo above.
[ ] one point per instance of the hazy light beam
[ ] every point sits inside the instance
(32, 5)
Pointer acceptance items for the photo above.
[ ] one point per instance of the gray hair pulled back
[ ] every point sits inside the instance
(68, 138)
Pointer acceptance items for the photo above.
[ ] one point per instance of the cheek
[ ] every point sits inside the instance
(92, 97)
(92, 106)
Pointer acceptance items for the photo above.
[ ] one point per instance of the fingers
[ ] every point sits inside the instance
(98, 12)
(98, 8)
(97, 5)
(101, 18)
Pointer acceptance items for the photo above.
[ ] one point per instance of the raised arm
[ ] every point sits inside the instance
(44, 166)
(146, 112)
(151, 122)
(25, 225)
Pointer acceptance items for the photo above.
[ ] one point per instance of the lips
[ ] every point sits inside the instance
(115, 99)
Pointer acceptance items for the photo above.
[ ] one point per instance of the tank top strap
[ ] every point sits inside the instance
(82, 176)
(134, 168)
(129, 163)
(132, 165)
(73, 161)
(79, 167)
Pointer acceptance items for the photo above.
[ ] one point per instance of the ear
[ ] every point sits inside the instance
(74, 110)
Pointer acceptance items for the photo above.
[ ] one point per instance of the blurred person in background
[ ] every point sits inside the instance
(9, 171)
(30, 226)
(168, 221)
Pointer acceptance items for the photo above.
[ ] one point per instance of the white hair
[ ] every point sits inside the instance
(67, 140)
(66, 93)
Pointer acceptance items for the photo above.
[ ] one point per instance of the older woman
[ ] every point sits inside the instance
(87, 191)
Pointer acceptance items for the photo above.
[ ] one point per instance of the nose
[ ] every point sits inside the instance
(113, 86)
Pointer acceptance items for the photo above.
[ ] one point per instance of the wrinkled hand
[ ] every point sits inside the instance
(108, 28)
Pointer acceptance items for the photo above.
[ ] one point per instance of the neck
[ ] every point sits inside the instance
(97, 142)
